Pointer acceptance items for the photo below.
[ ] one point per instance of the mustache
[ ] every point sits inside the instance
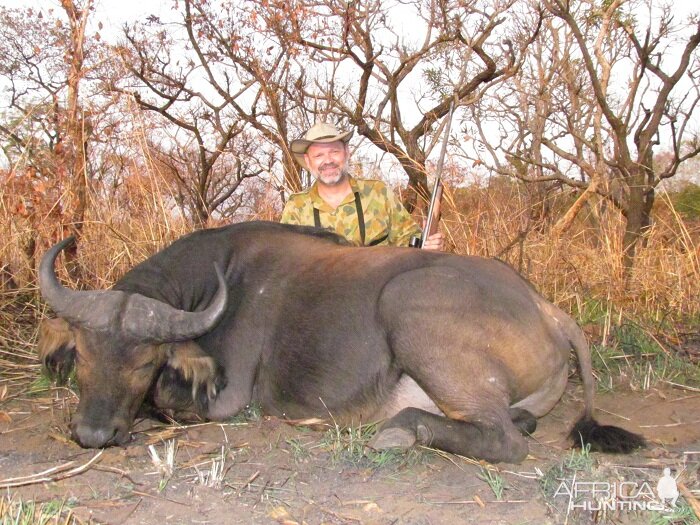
(329, 165)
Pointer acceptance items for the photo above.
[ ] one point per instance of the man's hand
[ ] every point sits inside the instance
(436, 241)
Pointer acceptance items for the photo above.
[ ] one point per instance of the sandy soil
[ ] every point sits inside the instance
(274, 472)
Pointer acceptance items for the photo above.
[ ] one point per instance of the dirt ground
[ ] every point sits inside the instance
(264, 470)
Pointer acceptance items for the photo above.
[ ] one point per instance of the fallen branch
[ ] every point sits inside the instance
(120, 472)
(682, 387)
(52, 474)
(669, 425)
(694, 504)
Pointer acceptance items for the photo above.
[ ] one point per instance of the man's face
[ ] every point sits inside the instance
(328, 162)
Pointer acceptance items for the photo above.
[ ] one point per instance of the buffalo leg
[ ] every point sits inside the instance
(492, 442)
(170, 398)
(171, 391)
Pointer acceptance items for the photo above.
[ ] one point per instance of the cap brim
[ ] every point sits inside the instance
(299, 146)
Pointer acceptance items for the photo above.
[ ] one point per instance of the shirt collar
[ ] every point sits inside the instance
(322, 205)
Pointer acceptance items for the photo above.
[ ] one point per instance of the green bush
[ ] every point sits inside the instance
(687, 201)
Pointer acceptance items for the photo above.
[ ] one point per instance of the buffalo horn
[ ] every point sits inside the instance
(137, 316)
(158, 322)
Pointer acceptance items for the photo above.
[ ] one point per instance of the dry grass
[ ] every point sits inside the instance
(583, 264)
(15, 511)
(19, 363)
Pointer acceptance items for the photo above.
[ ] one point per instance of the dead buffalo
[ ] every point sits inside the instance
(459, 353)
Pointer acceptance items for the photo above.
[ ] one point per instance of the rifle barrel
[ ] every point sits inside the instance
(433, 209)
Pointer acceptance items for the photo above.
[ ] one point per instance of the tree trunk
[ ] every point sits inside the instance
(200, 214)
(418, 183)
(74, 148)
(414, 166)
(637, 215)
(565, 222)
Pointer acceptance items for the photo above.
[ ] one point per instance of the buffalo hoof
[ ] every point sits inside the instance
(395, 437)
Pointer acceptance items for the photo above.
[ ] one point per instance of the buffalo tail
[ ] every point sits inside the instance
(604, 438)
(601, 438)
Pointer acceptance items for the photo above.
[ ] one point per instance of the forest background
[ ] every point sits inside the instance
(573, 154)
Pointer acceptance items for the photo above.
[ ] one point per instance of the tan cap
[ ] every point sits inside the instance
(319, 133)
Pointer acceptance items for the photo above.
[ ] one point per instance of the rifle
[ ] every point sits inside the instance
(433, 217)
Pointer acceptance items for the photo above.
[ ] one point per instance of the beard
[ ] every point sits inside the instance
(331, 174)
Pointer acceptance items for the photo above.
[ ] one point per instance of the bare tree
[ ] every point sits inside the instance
(281, 65)
(240, 54)
(214, 193)
(48, 126)
(396, 86)
(209, 151)
(602, 87)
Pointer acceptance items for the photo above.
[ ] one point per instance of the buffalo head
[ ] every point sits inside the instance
(119, 343)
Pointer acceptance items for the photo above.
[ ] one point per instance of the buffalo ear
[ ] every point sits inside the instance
(56, 348)
(199, 369)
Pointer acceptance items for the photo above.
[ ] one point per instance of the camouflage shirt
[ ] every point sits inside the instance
(386, 220)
